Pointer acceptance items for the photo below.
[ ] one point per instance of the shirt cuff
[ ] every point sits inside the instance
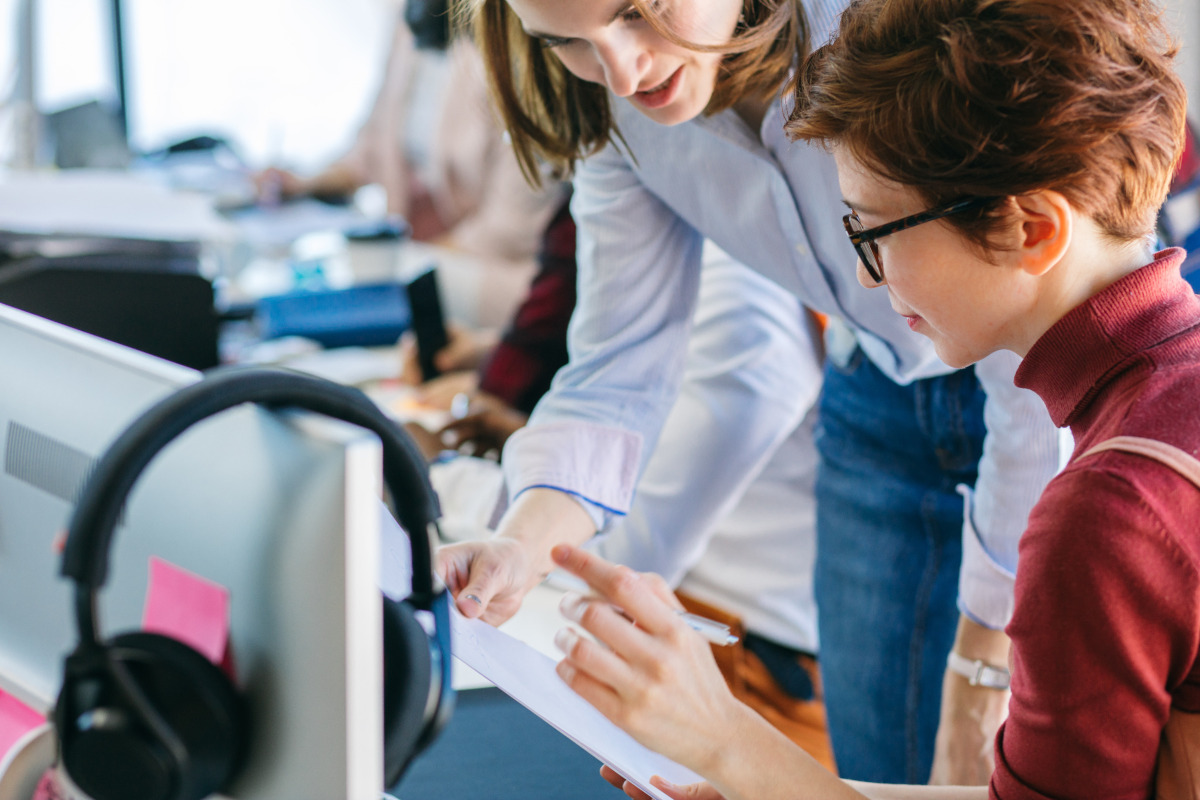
(595, 463)
(985, 586)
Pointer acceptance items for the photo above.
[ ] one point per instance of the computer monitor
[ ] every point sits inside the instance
(280, 508)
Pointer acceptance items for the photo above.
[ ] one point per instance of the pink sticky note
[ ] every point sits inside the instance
(48, 787)
(16, 720)
(187, 607)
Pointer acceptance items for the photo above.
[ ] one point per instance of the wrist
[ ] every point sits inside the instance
(749, 737)
(541, 518)
(978, 643)
(978, 672)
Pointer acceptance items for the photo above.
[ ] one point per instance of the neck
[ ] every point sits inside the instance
(1091, 265)
(752, 112)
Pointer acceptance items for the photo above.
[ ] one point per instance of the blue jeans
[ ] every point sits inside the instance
(889, 543)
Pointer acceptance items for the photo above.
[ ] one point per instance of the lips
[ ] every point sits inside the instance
(662, 94)
(660, 87)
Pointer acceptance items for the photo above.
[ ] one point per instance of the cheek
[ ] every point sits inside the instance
(580, 62)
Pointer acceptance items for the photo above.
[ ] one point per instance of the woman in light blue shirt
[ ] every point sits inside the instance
(670, 116)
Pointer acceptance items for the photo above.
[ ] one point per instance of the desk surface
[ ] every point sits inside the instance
(493, 748)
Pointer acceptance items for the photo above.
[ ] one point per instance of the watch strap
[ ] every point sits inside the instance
(979, 673)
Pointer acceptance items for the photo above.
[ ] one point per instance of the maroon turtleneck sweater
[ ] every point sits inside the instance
(1106, 629)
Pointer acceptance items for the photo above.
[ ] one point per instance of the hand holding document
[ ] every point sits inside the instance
(529, 678)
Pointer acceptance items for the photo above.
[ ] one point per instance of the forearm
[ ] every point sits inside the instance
(971, 714)
(541, 518)
(754, 761)
(752, 374)
(881, 791)
(975, 642)
(1022, 451)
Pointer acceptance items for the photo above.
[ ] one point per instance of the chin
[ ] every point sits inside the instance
(956, 357)
(672, 115)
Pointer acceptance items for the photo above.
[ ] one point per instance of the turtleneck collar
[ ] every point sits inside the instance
(1068, 365)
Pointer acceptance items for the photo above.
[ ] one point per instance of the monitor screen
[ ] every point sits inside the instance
(279, 508)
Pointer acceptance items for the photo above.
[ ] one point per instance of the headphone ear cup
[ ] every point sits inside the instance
(190, 696)
(407, 687)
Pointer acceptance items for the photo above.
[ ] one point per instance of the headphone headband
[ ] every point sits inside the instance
(86, 556)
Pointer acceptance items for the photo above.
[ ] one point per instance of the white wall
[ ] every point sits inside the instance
(1184, 19)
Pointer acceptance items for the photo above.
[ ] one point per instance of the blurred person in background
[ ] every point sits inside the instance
(435, 145)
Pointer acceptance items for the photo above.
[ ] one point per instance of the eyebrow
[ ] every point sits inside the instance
(858, 208)
(542, 35)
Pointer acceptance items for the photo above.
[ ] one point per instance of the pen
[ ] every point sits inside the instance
(714, 632)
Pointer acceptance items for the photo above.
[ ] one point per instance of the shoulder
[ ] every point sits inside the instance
(1112, 513)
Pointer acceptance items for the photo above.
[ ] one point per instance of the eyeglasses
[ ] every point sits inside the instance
(864, 239)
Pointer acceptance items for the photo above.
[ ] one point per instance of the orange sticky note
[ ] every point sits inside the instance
(16, 720)
(187, 607)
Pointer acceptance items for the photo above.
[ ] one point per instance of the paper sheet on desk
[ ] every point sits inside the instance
(529, 678)
(105, 203)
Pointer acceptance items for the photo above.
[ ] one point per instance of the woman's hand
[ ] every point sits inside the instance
(696, 791)
(486, 427)
(651, 674)
(464, 350)
(489, 578)
(274, 184)
(440, 392)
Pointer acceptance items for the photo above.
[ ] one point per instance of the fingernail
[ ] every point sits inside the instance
(571, 606)
(560, 553)
(565, 640)
(473, 599)
(565, 671)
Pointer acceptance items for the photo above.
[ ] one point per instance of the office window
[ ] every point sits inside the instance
(286, 80)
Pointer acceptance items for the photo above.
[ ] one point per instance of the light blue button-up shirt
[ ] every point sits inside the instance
(775, 206)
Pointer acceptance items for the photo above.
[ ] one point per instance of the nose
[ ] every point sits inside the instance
(624, 64)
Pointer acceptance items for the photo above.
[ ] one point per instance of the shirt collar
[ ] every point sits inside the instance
(1081, 352)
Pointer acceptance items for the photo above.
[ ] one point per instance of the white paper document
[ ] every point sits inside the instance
(106, 203)
(529, 678)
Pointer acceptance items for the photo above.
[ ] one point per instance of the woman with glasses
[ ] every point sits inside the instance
(669, 114)
(1003, 161)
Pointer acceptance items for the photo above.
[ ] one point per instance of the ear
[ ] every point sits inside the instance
(1044, 225)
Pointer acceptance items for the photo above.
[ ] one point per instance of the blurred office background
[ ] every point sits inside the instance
(286, 81)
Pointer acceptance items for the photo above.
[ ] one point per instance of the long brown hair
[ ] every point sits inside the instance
(554, 118)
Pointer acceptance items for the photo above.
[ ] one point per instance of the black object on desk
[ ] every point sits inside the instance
(144, 294)
(494, 748)
(428, 322)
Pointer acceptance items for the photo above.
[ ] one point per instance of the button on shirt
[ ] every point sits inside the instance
(774, 205)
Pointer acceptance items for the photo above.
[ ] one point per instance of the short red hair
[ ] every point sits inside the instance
(959, 98)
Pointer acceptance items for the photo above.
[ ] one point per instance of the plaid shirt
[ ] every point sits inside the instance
(534, 347)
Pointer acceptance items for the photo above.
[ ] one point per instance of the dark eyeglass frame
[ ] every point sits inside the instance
(864, 239)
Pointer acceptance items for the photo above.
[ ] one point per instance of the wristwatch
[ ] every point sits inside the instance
(979, 673)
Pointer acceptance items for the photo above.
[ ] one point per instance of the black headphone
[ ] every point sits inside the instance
(145, 717)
